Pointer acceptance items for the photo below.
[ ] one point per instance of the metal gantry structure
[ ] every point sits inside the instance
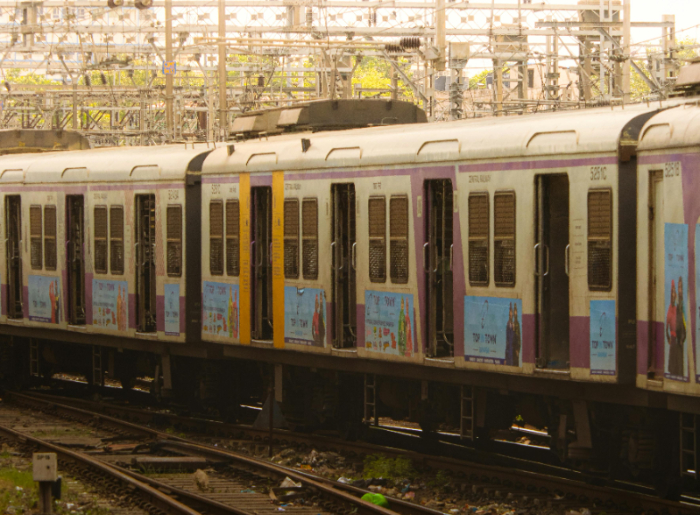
(170, 70)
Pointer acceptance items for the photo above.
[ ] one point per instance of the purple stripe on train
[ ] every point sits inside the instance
(25, 303)
(482, 167)
(500, 166)
(645, 365)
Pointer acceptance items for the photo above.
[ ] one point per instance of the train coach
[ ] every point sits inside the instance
(88, 254)
(458, 274)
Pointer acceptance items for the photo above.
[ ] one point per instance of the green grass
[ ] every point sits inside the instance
(10, 479)
(377, 465)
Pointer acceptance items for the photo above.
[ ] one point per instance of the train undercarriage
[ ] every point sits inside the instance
(618, 439)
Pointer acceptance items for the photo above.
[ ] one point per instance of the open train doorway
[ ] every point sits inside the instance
(261, 255)
(437, 262)
(657, 314)
(75, 257)
(145, 263)
(13, 231)
(343, 247)
(551, 271)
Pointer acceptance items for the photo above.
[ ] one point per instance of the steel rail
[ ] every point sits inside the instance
(540, 481)
(154, 496)
(172, 442)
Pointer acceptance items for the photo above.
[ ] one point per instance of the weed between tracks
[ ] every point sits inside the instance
(376, 466)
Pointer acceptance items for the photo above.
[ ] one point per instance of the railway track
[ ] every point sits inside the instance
(555, 488)
(239, 485)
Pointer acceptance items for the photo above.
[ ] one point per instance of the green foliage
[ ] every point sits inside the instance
(684, 53)
(478, 81)
(23, 499)
(441, 480)
(15, 76)
(375, 73)
(377, 465)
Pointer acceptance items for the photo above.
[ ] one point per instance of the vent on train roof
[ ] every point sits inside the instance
(325, 115)
(24, 141)
(688, 81)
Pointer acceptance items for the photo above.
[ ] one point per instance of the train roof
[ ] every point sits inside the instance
(108, 164)
(569, 132)
(673, 128)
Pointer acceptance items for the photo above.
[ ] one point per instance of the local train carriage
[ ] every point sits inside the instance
(668, 240)
(94, 241)
(491, 244)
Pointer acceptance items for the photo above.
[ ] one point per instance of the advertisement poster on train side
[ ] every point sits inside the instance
(697, 300)
(493, 330)
(390, 323)
(220, 309)
(676, 302)
(305, 319)
(44, 299)
(172, 309)
(110, 304)
(603, 347)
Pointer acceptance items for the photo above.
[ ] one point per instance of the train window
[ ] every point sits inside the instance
(100, 240)
(377, 239)
(116, 240)
(50, 237)
(35, 236)
(233, 263)
(216, 238)
(479, 239)
(309, 216)
(398, 235)
(174, 241)
(504, 238)
(600, 240)
(291, 238)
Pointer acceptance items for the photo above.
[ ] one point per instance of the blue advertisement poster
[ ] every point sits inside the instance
(44, 299)
(220, 309)
(697, 302)
(305, 319)
(389, 323)
(602, 345)
(676, 301)
(110, 304)
(172, 309)
(493, 330)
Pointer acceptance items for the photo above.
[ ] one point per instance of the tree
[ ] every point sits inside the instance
(685, 52)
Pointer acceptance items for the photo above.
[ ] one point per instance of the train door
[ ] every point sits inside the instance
(13, 230)
(437, 259)
(145, 263)
(75, 257)
(551, 270)
(656, 276)
(262, 262)
(343, 263)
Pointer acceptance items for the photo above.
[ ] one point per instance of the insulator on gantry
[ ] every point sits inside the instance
(309, 17)
(393, 48)
(115, 3)
(409, 43)
(143, 4)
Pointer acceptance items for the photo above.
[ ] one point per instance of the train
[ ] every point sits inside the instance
(459, 274)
